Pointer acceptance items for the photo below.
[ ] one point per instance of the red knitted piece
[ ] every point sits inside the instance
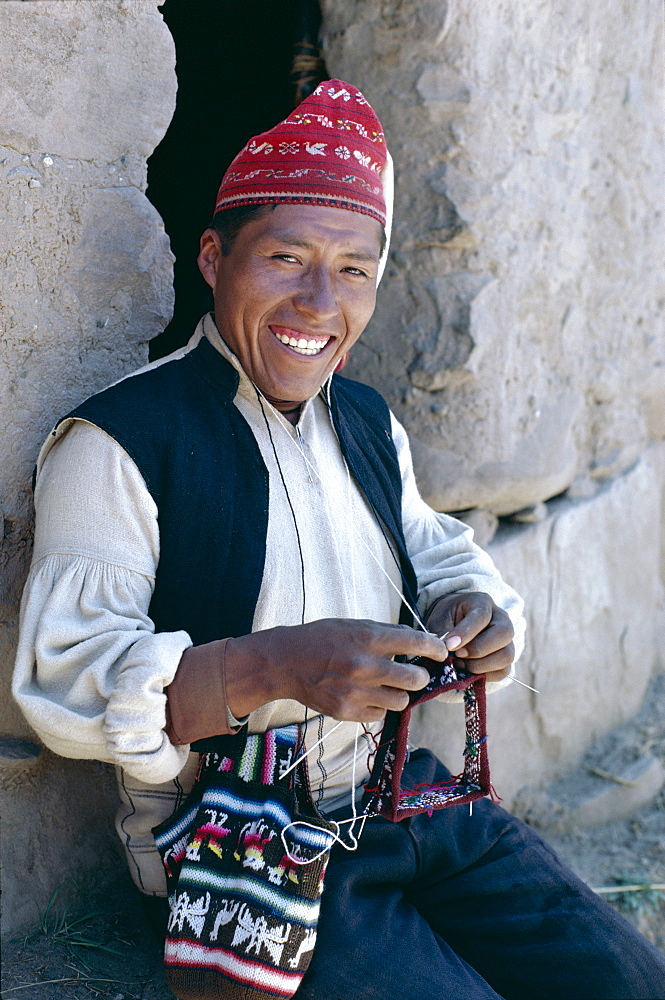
(388, 798)
(330, 150)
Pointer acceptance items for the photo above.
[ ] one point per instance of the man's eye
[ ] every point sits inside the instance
(356, 271)
(285, 256)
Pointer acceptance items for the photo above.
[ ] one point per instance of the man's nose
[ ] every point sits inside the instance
(316, 294)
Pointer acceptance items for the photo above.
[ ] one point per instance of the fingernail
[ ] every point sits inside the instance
(453, 641)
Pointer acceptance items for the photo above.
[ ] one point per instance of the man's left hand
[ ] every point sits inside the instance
(480, 634)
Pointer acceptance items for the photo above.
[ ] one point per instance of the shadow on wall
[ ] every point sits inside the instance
(241, 68)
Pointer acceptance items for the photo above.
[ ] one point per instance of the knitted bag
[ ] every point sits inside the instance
(384, 793)
(245, 858)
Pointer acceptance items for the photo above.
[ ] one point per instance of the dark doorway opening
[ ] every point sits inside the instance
(241, 67)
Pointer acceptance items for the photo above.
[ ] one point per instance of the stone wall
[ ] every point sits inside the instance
(518, 333)
(88, 90)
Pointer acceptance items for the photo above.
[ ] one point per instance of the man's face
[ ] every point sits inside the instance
(294, 293)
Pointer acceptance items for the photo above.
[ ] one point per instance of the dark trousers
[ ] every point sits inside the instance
(469, 908)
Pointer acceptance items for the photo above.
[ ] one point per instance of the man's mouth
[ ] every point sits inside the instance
(298, 342)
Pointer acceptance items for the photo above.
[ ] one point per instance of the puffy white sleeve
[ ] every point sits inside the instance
(90, 671)
(444, 555)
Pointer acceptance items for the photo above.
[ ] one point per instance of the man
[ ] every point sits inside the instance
(234, 535)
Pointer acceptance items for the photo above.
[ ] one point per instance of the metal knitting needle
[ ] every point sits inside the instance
(522, 684)
(515, 679)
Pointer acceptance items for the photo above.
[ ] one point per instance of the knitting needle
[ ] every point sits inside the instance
(522, 684)
(516, 679)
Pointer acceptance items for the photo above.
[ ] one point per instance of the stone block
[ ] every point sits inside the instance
(610, 801)
(528, 169)
(83, 84)
(122, 270)
(589, 575)
(583, 800)
(542, 465)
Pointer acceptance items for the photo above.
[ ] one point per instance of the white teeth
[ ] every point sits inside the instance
(302, 346)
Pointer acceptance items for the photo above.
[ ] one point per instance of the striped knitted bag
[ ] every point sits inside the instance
(245, 858)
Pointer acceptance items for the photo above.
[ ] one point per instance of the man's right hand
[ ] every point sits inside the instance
(338, 667)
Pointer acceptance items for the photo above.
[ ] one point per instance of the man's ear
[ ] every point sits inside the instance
(209, 255)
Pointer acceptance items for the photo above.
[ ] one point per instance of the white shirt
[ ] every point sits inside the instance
(91, 671)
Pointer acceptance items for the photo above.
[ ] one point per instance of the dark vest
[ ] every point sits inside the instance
(204, 470)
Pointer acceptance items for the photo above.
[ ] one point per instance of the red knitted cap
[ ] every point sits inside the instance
(329, 151)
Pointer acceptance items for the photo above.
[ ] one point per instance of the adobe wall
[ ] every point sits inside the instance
(523, 300)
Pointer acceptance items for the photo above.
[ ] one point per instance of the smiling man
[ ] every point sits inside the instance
(295, 294)
(233, 536)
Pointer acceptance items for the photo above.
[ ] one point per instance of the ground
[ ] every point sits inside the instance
(112, 955)
(630, 850)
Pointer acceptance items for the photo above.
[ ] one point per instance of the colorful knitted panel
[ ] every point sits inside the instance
(244, 900)
(330, 150)
(385, 794)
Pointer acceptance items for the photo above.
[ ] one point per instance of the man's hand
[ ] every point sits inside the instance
(338, 667)
(480, 633)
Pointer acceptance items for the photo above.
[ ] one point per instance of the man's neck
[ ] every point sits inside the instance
(289, 410)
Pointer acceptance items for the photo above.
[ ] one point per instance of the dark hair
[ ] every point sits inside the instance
(228, 223)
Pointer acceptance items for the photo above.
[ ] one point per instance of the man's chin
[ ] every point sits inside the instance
(292, 392)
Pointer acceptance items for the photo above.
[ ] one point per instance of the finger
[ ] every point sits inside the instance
(498, 635)
(403, 641)
(498, 661)
(405, 676)
(497, 675)
(390, 698)
(373, 702)
(475, 620)
(377, 673)
(362, 713)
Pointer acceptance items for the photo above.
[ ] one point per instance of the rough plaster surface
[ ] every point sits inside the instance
(589, 575)
(86, 281)
(57, 832)
(517, 329)
(106, 86)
